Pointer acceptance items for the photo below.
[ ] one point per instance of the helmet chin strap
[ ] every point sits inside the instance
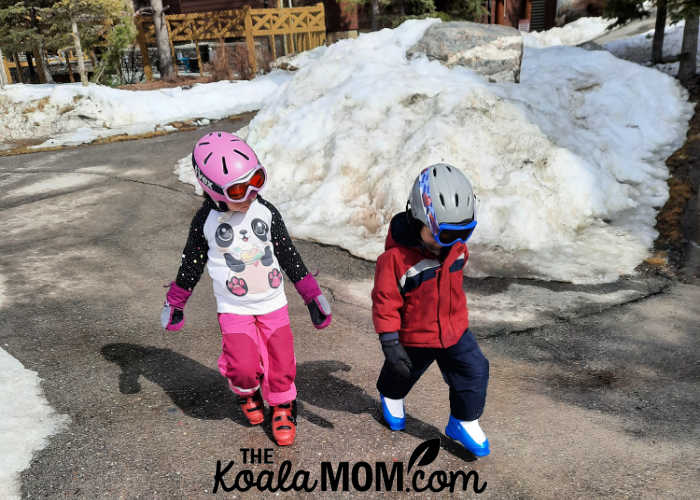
(219, 206)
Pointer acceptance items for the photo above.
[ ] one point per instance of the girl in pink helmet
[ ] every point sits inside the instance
(245, 245)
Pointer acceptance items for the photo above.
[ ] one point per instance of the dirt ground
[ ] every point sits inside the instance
(674, 219)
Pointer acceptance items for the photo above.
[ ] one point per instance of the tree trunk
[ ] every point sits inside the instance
(40, 66)
(689, 51)
(167, 71)
(33, 77)
(48, 77)
(79, 52)
(657, 47)
(40, 56)
(68, 67)
(3, 76)
(375, 15)
(18, 67)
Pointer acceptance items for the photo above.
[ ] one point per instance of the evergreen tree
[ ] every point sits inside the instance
(470, 10)
(22, 33)
(624, 11)
(84, 23)
(31, 26)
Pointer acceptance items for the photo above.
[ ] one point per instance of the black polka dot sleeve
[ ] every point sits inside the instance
(285, 251)
(194, 256)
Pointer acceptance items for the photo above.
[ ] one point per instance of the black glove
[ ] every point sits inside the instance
(396, 355)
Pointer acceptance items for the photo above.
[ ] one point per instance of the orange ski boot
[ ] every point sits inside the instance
(253, 407)
(284, 423)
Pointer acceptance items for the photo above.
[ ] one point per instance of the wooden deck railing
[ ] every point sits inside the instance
(301, 28)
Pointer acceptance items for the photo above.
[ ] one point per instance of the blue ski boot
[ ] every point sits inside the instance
(396, 421)
(456, 431)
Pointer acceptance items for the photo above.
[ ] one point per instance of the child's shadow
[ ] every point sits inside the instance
(317, 386)
(198, 391)
(203, 393)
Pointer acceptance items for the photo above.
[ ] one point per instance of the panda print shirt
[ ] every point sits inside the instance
(245, 254)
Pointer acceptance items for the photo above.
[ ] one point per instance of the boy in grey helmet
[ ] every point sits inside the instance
(419, 308)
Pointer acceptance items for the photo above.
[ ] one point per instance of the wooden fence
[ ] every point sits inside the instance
(301, 28)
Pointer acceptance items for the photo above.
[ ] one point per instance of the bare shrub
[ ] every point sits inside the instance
(230, 62)
(220, 67)
(239, 60)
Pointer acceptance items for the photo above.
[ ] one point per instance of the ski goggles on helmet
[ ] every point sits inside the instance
(239, 190)
(449, 234)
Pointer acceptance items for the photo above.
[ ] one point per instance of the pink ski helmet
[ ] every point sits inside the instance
(227, 168)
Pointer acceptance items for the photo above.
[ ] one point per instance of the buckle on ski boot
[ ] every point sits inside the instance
(284, 423)
(253, 407)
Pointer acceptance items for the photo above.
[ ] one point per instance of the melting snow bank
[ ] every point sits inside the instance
(574, 33)
(638, 48)
(72, 114)
(568, 165)
(26, 421)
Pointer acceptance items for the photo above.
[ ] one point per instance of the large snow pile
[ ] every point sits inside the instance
(568, 165)
(74, 114)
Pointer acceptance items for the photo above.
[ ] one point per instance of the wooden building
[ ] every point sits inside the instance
(348, 16)
(189, 6)
(526, 15)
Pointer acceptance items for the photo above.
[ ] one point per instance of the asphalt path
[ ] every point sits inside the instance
(593, 390)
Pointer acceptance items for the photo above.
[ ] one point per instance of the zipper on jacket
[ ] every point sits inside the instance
(439, 301)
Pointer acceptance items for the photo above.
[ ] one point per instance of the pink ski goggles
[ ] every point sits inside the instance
(239, 190)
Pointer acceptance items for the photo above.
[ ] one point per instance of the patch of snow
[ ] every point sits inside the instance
(26, 422)
(638, 48)
(574, 33)
(70, 114)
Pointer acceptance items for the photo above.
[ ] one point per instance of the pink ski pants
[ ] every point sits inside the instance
(258, 351)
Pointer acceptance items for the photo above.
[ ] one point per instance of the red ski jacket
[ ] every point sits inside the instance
(417, 293)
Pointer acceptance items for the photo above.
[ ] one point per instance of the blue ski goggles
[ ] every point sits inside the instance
(449, 234)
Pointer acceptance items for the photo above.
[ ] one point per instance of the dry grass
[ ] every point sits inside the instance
(181, 81)
(229, 63)
(669, 221)
(220, 67)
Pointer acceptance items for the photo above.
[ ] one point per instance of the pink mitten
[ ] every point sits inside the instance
(172, 317)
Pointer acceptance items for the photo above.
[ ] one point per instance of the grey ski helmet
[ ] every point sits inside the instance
(442, 198)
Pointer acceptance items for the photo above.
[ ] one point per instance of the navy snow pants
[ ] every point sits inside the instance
(464, 367)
